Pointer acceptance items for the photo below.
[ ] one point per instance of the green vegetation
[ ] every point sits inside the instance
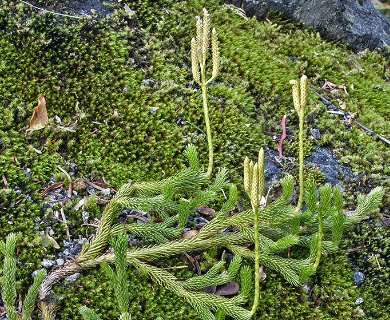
(8, 290)
(120, 85)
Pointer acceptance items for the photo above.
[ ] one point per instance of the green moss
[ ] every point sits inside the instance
(92, 72)
(331, 296)
(147, 300)
(312, 172)
(371, 253)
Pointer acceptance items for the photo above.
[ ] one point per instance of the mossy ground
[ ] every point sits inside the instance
(102, 76)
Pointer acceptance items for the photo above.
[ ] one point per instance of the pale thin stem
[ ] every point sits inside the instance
(300, 200)
(320, 233)
(257, 261)
(207, 121)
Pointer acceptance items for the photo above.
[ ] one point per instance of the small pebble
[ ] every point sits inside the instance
(306, 287)
(315, 133)
(85, 216)
(47, 263)
(34, 274)
(57, 119)
(76, 249)
(358, 278)
(60, 262)
(359, 301)
(73, 277)
(148, 82)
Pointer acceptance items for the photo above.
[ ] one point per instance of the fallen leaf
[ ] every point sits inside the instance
(5, 180)
(262, 274)
(14, 159)
(53, 186)
(52, 242)
(47, 241)
(130, 13)
(210, 289)
(228, 289)
(80, 203)
(203, 209)
(342, 104)
(189, 234)
(284, 135)
(39, 118)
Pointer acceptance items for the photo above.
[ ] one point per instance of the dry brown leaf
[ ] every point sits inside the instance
(228, 289)
(39, 118)
(203, 209)
(52, 241)
(342, 104)
(189, 234)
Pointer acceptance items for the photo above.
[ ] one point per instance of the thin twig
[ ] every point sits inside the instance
(336, 110)
(65, 222)
(5, 180)
(134, 216)
(64, 172)
(58, 14)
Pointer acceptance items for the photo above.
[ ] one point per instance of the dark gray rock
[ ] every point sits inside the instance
(88, 7)
(315, 133)
(328, 165)
(355, 22)
(272, 168)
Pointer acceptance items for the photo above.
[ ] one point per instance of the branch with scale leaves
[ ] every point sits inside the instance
(8, 283)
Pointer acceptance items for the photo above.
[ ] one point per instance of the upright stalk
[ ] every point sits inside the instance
(199, 51)
(208, 127)
(257, 262)
(254, 187)
(299, 98)
(301, 182)
(320, 234)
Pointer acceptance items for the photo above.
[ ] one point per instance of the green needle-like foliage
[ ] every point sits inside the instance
(8, 290)
(88, 314)
(32, 293)
(118, 279)
(8, 284)
(214, 275)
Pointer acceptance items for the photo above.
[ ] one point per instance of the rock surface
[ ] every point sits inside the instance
(329, 166)
(355, 22)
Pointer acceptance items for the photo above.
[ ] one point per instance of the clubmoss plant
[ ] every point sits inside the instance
(118, 280)
(199, 51)
(174, 199)
(300, 102)
(54, 56)
(8, 283)
(254, 187)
